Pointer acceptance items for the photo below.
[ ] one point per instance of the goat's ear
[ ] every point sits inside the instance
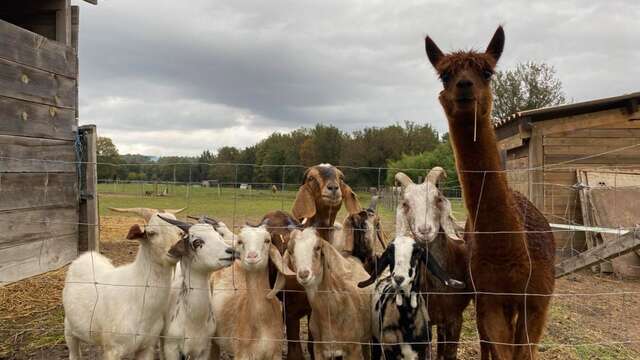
(304, 205)
(379, 265)
(496, 45)
(350, 199)
(333, 260)
(281, 279)
(135, 232)
(447, 221)
(180, 249)
(278, 261)
(433, 52)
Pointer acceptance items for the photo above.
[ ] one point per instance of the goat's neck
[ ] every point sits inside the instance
(194, 293)
(439, 249)
(402, 223)
(153, 271)
(487, 197)
(324, 219)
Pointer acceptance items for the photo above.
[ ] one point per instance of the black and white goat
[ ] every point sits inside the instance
(400, 320)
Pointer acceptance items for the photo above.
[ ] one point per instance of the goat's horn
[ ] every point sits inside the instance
(403, 179)
(374, 203)
(436, 174)
(181, 224)
(146, 213)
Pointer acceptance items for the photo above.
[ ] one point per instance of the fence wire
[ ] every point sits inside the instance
(577, 311)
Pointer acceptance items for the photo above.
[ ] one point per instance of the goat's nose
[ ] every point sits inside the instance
(333, 187)
(398, 279)
(252, 254)
(424, 229)
(303, 274)
(464, 83)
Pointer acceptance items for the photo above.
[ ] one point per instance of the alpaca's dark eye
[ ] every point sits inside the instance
(445, 77)
(487, 74)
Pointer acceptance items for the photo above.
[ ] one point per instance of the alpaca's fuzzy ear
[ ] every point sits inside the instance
(496, 45)
(433, 51)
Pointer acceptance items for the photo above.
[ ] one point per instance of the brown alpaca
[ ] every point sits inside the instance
(511, 247)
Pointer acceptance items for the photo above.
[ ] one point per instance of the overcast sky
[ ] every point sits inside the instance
(177, 77)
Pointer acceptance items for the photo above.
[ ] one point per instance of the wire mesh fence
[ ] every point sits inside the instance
(591, 316)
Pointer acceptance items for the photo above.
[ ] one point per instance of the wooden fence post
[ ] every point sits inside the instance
(89, 234)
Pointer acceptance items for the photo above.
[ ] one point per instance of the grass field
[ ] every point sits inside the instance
(231, 205)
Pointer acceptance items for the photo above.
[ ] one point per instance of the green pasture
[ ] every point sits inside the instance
(229, 204)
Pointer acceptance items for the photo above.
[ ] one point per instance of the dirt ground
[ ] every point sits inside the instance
(592, 317)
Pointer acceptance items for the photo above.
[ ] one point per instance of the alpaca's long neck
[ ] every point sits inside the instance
(487, 197)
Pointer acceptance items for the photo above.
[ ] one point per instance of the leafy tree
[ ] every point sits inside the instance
(108, 158)
(529, 86)
(441, 156)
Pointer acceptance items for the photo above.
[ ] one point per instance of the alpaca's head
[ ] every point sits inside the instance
(466, 77)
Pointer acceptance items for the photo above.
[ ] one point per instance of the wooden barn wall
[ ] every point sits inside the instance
(517, 166)
(38, 199)
(582, 146)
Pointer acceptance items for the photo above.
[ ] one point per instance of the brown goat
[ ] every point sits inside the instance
(317, 203)
(511, 246)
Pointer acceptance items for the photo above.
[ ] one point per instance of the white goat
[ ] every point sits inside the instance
(189, 323)
(121, 308)
(341, 314)
(249, 324)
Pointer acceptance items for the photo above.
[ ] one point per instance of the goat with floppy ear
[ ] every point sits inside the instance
(317, 203)
(248, 321)
(321, 195)
(340, 317)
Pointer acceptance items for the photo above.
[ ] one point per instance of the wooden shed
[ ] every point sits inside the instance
(47, 205)
(543, 149)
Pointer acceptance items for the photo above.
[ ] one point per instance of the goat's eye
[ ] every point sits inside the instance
(198, 243)
(405, 205)
(267, 240)
(487, 74)
(317, 248)
(239, 242)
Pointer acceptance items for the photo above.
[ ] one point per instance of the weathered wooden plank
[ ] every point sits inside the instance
(585, 150)
(27, 225)
(591, 141)
(583, 121)
(26, 83)
(75, 26)
(598, 133)
(517, 153)
(28, 48)
(511, 142)
(23, 154)
(597, 255)
(25, 118)
(32, 258)
(536, 162)
(27, 190)
(607, 159)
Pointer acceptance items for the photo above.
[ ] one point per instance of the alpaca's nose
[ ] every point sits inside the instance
(464, 83)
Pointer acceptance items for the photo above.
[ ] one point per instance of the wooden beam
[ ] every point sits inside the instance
(75, 26)
(89, 235)
(28, 190)
(536, 162)
(63, 23)
(620, 246)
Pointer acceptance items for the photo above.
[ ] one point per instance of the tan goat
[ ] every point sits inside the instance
(341, 317)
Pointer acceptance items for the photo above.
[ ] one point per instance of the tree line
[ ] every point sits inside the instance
(367, 150)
